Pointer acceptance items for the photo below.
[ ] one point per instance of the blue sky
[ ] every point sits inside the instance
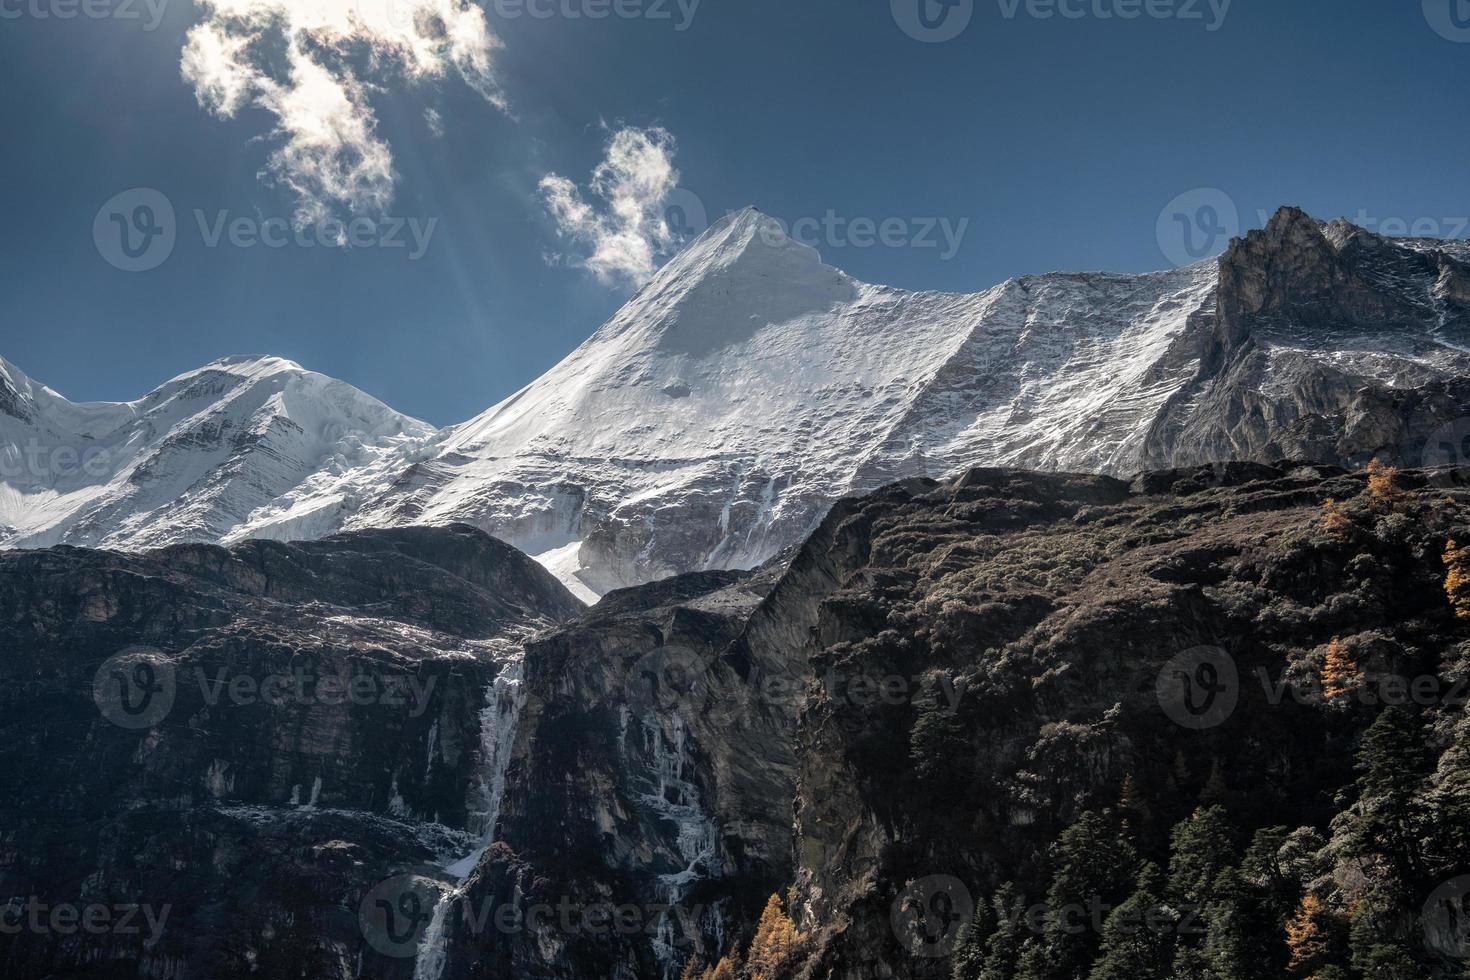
(1055, 142)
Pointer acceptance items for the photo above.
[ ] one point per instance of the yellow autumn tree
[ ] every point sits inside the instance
(1339, 671)
(723, 970)
(1335, 519)
(1309, 935)
(1382, 486)
(777, 944)
(1457, 577)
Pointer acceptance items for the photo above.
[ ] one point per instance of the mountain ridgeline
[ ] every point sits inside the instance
(711, 423)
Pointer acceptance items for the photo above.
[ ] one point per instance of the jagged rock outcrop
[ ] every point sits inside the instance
(1329, 343)
(245, 743)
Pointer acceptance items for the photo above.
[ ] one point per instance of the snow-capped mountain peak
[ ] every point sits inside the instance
(712, 420)
(191, 460)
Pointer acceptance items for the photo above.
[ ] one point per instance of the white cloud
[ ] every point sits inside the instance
(313, 65)
(622, 227)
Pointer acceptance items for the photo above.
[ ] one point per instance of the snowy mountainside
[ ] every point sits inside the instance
(714, 418)
(712, 421)
(193, 460)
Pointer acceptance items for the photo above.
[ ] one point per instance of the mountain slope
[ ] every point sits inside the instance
(193, 460)
(711, 422)
(246, 741)
(716, 417)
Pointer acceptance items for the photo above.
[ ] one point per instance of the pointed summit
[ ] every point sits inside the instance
(734, 235)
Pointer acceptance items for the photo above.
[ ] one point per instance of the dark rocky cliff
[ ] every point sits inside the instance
(917, 706)
(242, 743)
(944, 678)
(1326, 343)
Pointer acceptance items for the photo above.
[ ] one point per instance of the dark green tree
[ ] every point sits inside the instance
(968, 958)
(1093, 870)
(1377, 938)
(1199, 849)
(1003, 951)
(1387, 819)
(1036, 963)
(1235, 946)
(1138, 937)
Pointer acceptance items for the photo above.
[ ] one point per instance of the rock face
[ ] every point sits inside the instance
(241, 745)
(1023, 623)
(645, 787)
(1329, 343)
(942, 678)
(716, 417)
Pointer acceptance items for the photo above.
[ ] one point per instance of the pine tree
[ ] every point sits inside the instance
(776, 945)
(1335, 519)
(1036, 963)
(1137, 940)
(1385, 821)
(968, 957)
(1003, 952)
(1200, 848)
(1190, 963)
(1448, 799)
(1093, 867)
(1133, 810)
(1233, 949)
(726, 969)
(1382, 486)
(1215, 790)
(1272, 869)
(1379, 938)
